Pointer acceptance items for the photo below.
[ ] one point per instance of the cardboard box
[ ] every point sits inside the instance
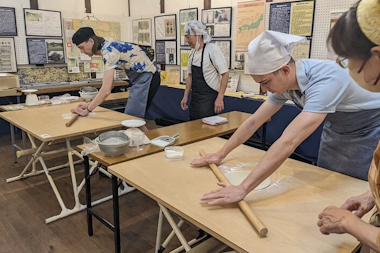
(8, 81)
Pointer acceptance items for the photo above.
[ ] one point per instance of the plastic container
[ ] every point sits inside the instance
(174, 153)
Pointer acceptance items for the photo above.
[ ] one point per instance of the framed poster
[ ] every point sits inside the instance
(185, 53)
(8, 25)
(296, 18)
(250, 22)
(165, 27)
(42, 23)
(45, 51)
(218, 21)
(142, 31)
(166, 52)
(225, 46)
(7, 55)
(186, 15)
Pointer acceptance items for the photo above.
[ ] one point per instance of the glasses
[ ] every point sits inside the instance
(343, 62)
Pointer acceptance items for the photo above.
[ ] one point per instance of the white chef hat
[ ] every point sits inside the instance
(270, 51)
(196, 27)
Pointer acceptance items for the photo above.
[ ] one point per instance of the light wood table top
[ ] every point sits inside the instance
(189, 132)
(112, 98)
(46, 123)
(289, 208)
(73, 87)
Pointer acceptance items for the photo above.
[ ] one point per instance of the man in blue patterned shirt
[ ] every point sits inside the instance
(143, 75)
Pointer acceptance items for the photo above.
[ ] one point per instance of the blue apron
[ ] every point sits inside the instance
(143, 88)
(348, 140)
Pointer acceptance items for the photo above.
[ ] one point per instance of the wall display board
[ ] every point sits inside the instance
(8, 25)
(186, 15)
(166, 52)
(107, 30)
(43, 23)
(218, 21)
(142, 31)
(225, 46)
(294, 18)
(165, 27)
(7, 55)
(250, 22)
(44, 51)
(185, 54)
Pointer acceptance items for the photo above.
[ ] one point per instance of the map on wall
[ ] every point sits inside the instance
(105, 29)
(250, 22)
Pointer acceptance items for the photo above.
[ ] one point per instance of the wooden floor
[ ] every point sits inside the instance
(25, 204)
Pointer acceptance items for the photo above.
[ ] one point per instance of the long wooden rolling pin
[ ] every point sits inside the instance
(245, 208)
(72, 120)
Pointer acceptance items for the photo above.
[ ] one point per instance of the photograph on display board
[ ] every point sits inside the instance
(54, 50)
(186, 15)
(142, 34)
(42, 23)
(8, 25)
(218, 21)
(165, 27)
(43, 51)
(185, 53)
(240, 60)
(8, 61)
(166, 52)
(225, 47)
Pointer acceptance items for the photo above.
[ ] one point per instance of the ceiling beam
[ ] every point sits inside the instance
(162, 6)
(87, 5)
(34, 4)
(207, 4)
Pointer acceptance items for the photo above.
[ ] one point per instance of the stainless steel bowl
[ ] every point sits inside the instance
(113, 143)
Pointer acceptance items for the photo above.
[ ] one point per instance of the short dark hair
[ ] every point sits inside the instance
(98, 41)
(347, 39)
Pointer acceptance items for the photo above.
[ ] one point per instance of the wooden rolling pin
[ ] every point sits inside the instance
(72, 120)
(245, 208)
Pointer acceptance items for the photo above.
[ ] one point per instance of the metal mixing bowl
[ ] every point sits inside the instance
(113, 143)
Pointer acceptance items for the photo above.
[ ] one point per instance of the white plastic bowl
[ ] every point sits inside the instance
(88, 96)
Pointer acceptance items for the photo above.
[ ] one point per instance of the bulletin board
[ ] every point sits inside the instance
(218, 21)
(8, 25)
(165, 27)
(43, 23)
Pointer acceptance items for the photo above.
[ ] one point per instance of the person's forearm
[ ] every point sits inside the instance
(364, 232)
(223, 85)
(188, 86)
(270, 162)
(104, 92)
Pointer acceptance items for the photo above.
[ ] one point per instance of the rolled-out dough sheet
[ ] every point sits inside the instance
(237, 177)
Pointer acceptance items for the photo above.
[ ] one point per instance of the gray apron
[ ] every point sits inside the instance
(138, 93)
(202, 95)
(348, 140)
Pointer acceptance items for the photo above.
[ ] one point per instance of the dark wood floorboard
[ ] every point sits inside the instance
(25, 204)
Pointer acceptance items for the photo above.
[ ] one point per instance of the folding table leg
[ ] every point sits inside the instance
(116, 219)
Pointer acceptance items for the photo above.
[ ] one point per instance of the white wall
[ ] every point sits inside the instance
(62, 5)
(144, 8)
(176, 5)
(15, 3)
